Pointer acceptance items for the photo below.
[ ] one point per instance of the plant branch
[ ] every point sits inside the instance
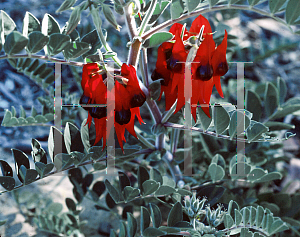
(147, 17)
(215, 8)
(244, 226)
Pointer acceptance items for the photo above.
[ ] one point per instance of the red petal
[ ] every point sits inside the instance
(178, 51)
(219, 62)
(217, 83)
(120, 130)
(198, 23)
(170, 97)
(178, 27)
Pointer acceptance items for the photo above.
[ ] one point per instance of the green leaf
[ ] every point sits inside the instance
(99, 188)
(145, 219)
(28, 175)
(155, 215)
(155, 175)
(165, 190)
(169, 230)
(7, 25)
(204, 119)
(292, 12)
(221, 119)
(122, 229)
(212, 2)
(5, 168)
(238, 123)
(228, 221)
(143, 175)
(92, 39)
(57, 42)
(175, 215)
(246, 233)
(132, 225)
(76, 49)
(278, 226)
(255, 130)
(36, 41)
(20, 159)
(71, 204)
(216, 172)
(237, 217)
(259, 216)
(43, 169)
(159, 9)
(112, 191)
(49, 25)
(88, 135)
(150, 186)
(192, 4)
(269, 177)
(157, 39)
(275, 5)
(130, 193)
(154, 90)
(253, 104)
(62, 161)
(73, 20)
(176, 9)
(153, 232)
(184, 192)
(278, 126)
(30, 24)
(14, 43)
(270, 99)
(253, 2)
(282, 90)
(168, 181)
(290, 106)
(66, 5)
(255, 174)
(123, 180)
(7, 182)
(72, 138)
(110, 17)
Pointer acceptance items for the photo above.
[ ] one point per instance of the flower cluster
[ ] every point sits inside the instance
(127, 98)
(194, 206)
(208, 66)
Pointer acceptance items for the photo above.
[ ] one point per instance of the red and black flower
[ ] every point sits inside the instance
(207, 67)
(127, 98)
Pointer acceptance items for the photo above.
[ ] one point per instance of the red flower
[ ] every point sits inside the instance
(208, 65)
(128, 98)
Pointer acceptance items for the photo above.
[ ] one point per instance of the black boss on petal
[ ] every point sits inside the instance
(174, 64)
(123, 116)
(98, 112)
(222, 69)
(204, 72)
(137, 100)
(84, 100)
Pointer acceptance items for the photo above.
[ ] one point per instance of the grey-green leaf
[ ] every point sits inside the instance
(153, 232)
(14, 43)
(76, 49)
(253, 104)
(228, 221)
(176, 9)
(67, 4)
(216, 172)
(238, 122)
(30, 24)
(112, 191)
(255, 130)
(275, 5)
(221, 119)
(270, 99)
(145, 219)
(49, 25)
(28, 175)
(7, 182)
(110, 17)
(150, 186)
(282, 90)
(165, 190)
(204, 119)
(175, 215)
(292, 12)
(155, 215)
(157, 39)
(57, 42)
(132, 225)
(130, 193)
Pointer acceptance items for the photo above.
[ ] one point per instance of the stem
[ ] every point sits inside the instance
(215, 8)
(43, 57)
(145, 66)
(147, 17)
(169, 113)
(144, 141)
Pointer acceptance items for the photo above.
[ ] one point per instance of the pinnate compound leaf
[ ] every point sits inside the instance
(56, 143)
(7, 182)
(5, 168)
(132, 225)
(275, 5)
(49, 25)
(72, 138)
(238, 217)
(155, 175)
(216, 172)
(292, 12)
(62, 161)
(165, 190)
(57, 42)
(20, 159)
(30, 24)
(130, 193)
(7, 25)
(176, 9)
(155, 215)
(43, 169)
(212, 2)
(36, 41)
(150, 186)
(28, 175)
(270, 99)
(153, 232)
(159, 9)
(67, 4)
(238, 122)
(92, 39)
(228, 221)
(255, 130)
(157, 39)
(253, 104)
(76, 49)
(278, 226)
(221, 119)
(112, 191)
(175, 215)
(145, 219)
(14, 43)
